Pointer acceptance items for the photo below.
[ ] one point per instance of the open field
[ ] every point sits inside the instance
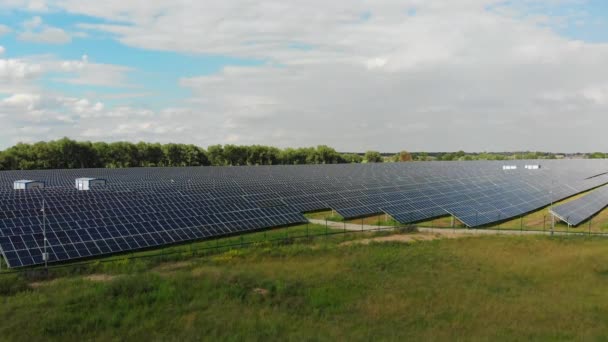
(489, 288)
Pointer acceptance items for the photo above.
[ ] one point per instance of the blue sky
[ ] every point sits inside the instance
(241, 73)
(149, 73)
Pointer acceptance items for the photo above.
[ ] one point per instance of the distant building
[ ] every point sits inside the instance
(27, 184)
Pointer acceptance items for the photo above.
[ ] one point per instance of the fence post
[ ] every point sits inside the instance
(544, 220)
(498, 223)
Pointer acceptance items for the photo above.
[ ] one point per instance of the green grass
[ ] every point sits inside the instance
(482, 288)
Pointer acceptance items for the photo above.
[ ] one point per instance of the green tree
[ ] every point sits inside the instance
(597, 155)
(423, 156)
(352, 158)
(216, 155)
(235, 155)
(291, 156)
(373, 157)
(448, 157)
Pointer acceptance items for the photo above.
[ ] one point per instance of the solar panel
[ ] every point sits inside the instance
(148, 207)
(581, 209)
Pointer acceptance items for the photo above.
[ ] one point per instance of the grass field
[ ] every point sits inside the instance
(483, 288)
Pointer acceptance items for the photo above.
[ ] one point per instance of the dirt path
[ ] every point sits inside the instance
(102, 278)
(405, 238)
(442, 231)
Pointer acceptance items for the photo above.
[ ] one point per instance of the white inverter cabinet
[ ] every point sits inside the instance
(85, 184)
(25, 184)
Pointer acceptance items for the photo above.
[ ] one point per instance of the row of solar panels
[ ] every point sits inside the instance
(27, 249)
(263, 176)
(208, 202)
(581, 209)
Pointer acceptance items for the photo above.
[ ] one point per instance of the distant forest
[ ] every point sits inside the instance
(69, 154)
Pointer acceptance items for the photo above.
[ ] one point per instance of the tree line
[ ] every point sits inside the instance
(69, 154)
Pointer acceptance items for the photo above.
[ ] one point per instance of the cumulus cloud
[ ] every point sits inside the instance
(17, 69)
(382, 74)
(37, 32)
(47, 35)
(36, 116)
(84, 72)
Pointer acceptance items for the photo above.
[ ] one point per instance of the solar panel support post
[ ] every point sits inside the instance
(362, 224)
(476, 215)
(521, 223)
(544, 220)
(590, 226)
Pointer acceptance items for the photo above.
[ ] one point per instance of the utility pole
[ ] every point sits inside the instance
(45, 255)
(551, 208)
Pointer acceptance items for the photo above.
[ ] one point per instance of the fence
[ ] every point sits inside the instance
(273, 236)
(288, 234)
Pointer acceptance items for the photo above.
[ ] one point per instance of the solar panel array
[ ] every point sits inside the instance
(581, 209)
(149, 207)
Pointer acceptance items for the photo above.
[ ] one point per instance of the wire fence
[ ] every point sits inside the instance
(272, 236)
(290, 234)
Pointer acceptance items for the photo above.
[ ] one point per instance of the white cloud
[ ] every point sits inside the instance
(368, 74)
(84, 72)
(17, 69)
(4, 30)
(32, 23)
(37, 6)
(37, 32)
(22, 101)
(29, 5)
(48, 35)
